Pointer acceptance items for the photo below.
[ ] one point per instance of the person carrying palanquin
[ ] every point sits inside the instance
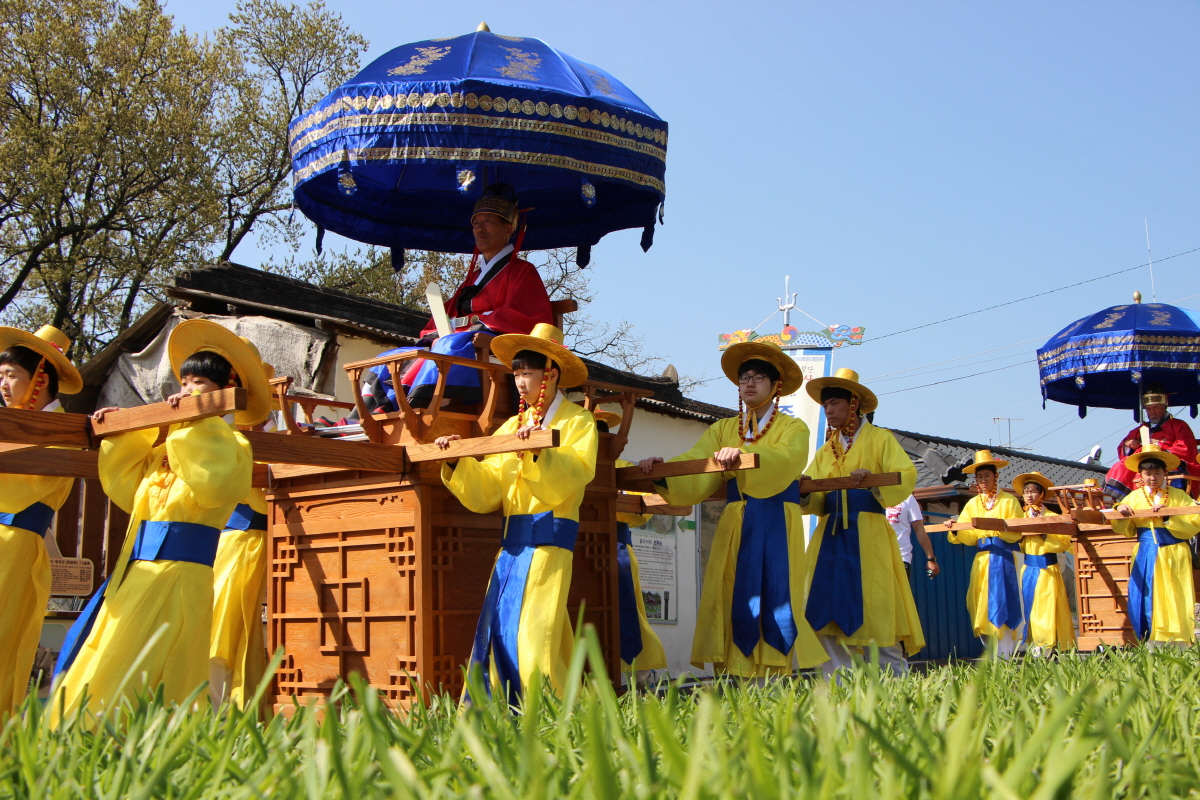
(993, 596)
(34, 371)
(151, 621)
(524, 628)
(1162, 596)
(504, 294)
(1171, 434)
(237, 653)
(859, 595)
(1045, 606)
(641, 649)
(750, 621)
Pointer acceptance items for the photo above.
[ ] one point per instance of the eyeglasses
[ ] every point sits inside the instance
(752, 380)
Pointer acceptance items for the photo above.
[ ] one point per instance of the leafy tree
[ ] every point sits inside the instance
(104, 114)
(285, 59)
(130, 150)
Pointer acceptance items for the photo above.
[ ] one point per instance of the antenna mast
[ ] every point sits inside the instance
(788, 301)
(1150, 258)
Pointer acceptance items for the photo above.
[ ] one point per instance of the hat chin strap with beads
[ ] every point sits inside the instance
(37, 382)
(537, 411)
(848, 429)
(755, 433)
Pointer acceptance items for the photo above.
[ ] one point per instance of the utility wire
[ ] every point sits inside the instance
(1030, 297)
(957, 366)
(959, 358)
(952, 380)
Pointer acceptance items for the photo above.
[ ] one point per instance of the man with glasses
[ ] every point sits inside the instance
(751, 618)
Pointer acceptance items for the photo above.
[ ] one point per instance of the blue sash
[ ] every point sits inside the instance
(156, 541)
(1029, 580)
(35, 519)
(631, 624)
(499, 623)
(245, 518)
(1141, 578)
(763, 576)
(1004, 597)
(836, 592)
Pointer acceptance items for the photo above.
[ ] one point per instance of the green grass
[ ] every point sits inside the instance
(1120, 725)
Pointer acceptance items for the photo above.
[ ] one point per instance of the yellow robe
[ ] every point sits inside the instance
(782, 453)
(1173, 618)
(554, 483)
(889, 612)
(1007, 507)
(237, 652)
(198, 475)
(1048, 616)
(652, 656)
(25, 576)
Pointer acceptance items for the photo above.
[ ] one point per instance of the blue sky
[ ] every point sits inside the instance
(903, 162)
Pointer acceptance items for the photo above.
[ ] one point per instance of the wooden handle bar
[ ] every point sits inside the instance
(156, 415)
(483, 446)
(1146, 513)
(633, 479)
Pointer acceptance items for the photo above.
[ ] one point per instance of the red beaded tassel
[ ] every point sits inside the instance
(770, 422)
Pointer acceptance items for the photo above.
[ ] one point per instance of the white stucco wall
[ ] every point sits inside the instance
(659, 435)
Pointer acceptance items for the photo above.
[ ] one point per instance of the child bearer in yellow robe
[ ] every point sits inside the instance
(1162, 596)
(1043, 591)
(150, 624)
(993, 596)
(751, 621)
(523, 627)
(641, 649)
(33, 372)
(859, 592)
(237, 653)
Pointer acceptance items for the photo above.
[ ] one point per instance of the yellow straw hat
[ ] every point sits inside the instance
(1154, 450)
(205, 336)
(547, 340)
(52, 344)
(610, 418)
(845, 379)
(789, 374)
(984, 458)
(1032, 477)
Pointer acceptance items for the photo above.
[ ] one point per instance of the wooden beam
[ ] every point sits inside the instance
(1044, 528)
(157, 415)
(482, 446)
(988, 524)
(313, 451)
(633, 479)
(54, 463)
(649, 504)
(837, 484)
(42, 429)
(1146, 513)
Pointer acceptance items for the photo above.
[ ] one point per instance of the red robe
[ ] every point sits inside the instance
(513, 301)
(1173, 435)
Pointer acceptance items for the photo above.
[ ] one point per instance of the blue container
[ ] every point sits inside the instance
(942, 602)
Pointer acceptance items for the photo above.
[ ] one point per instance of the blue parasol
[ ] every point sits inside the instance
(1101, 361)
(398, 155)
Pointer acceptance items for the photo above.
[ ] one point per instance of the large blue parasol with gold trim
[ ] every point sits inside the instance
(398, 155)
(1103, 360)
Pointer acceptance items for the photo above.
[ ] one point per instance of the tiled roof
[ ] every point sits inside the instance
(939, 461)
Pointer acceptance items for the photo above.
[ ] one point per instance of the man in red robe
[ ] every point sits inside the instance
(1171, 434)
(503, 294)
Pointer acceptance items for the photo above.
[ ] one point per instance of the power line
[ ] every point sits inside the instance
(959, 358)
(1030, 297)
(957, 366)
(960, 378)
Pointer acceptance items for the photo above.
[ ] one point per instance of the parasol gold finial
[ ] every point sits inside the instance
(483, 28)
(1137, 296)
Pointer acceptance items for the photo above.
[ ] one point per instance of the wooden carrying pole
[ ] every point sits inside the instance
(38, 428)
